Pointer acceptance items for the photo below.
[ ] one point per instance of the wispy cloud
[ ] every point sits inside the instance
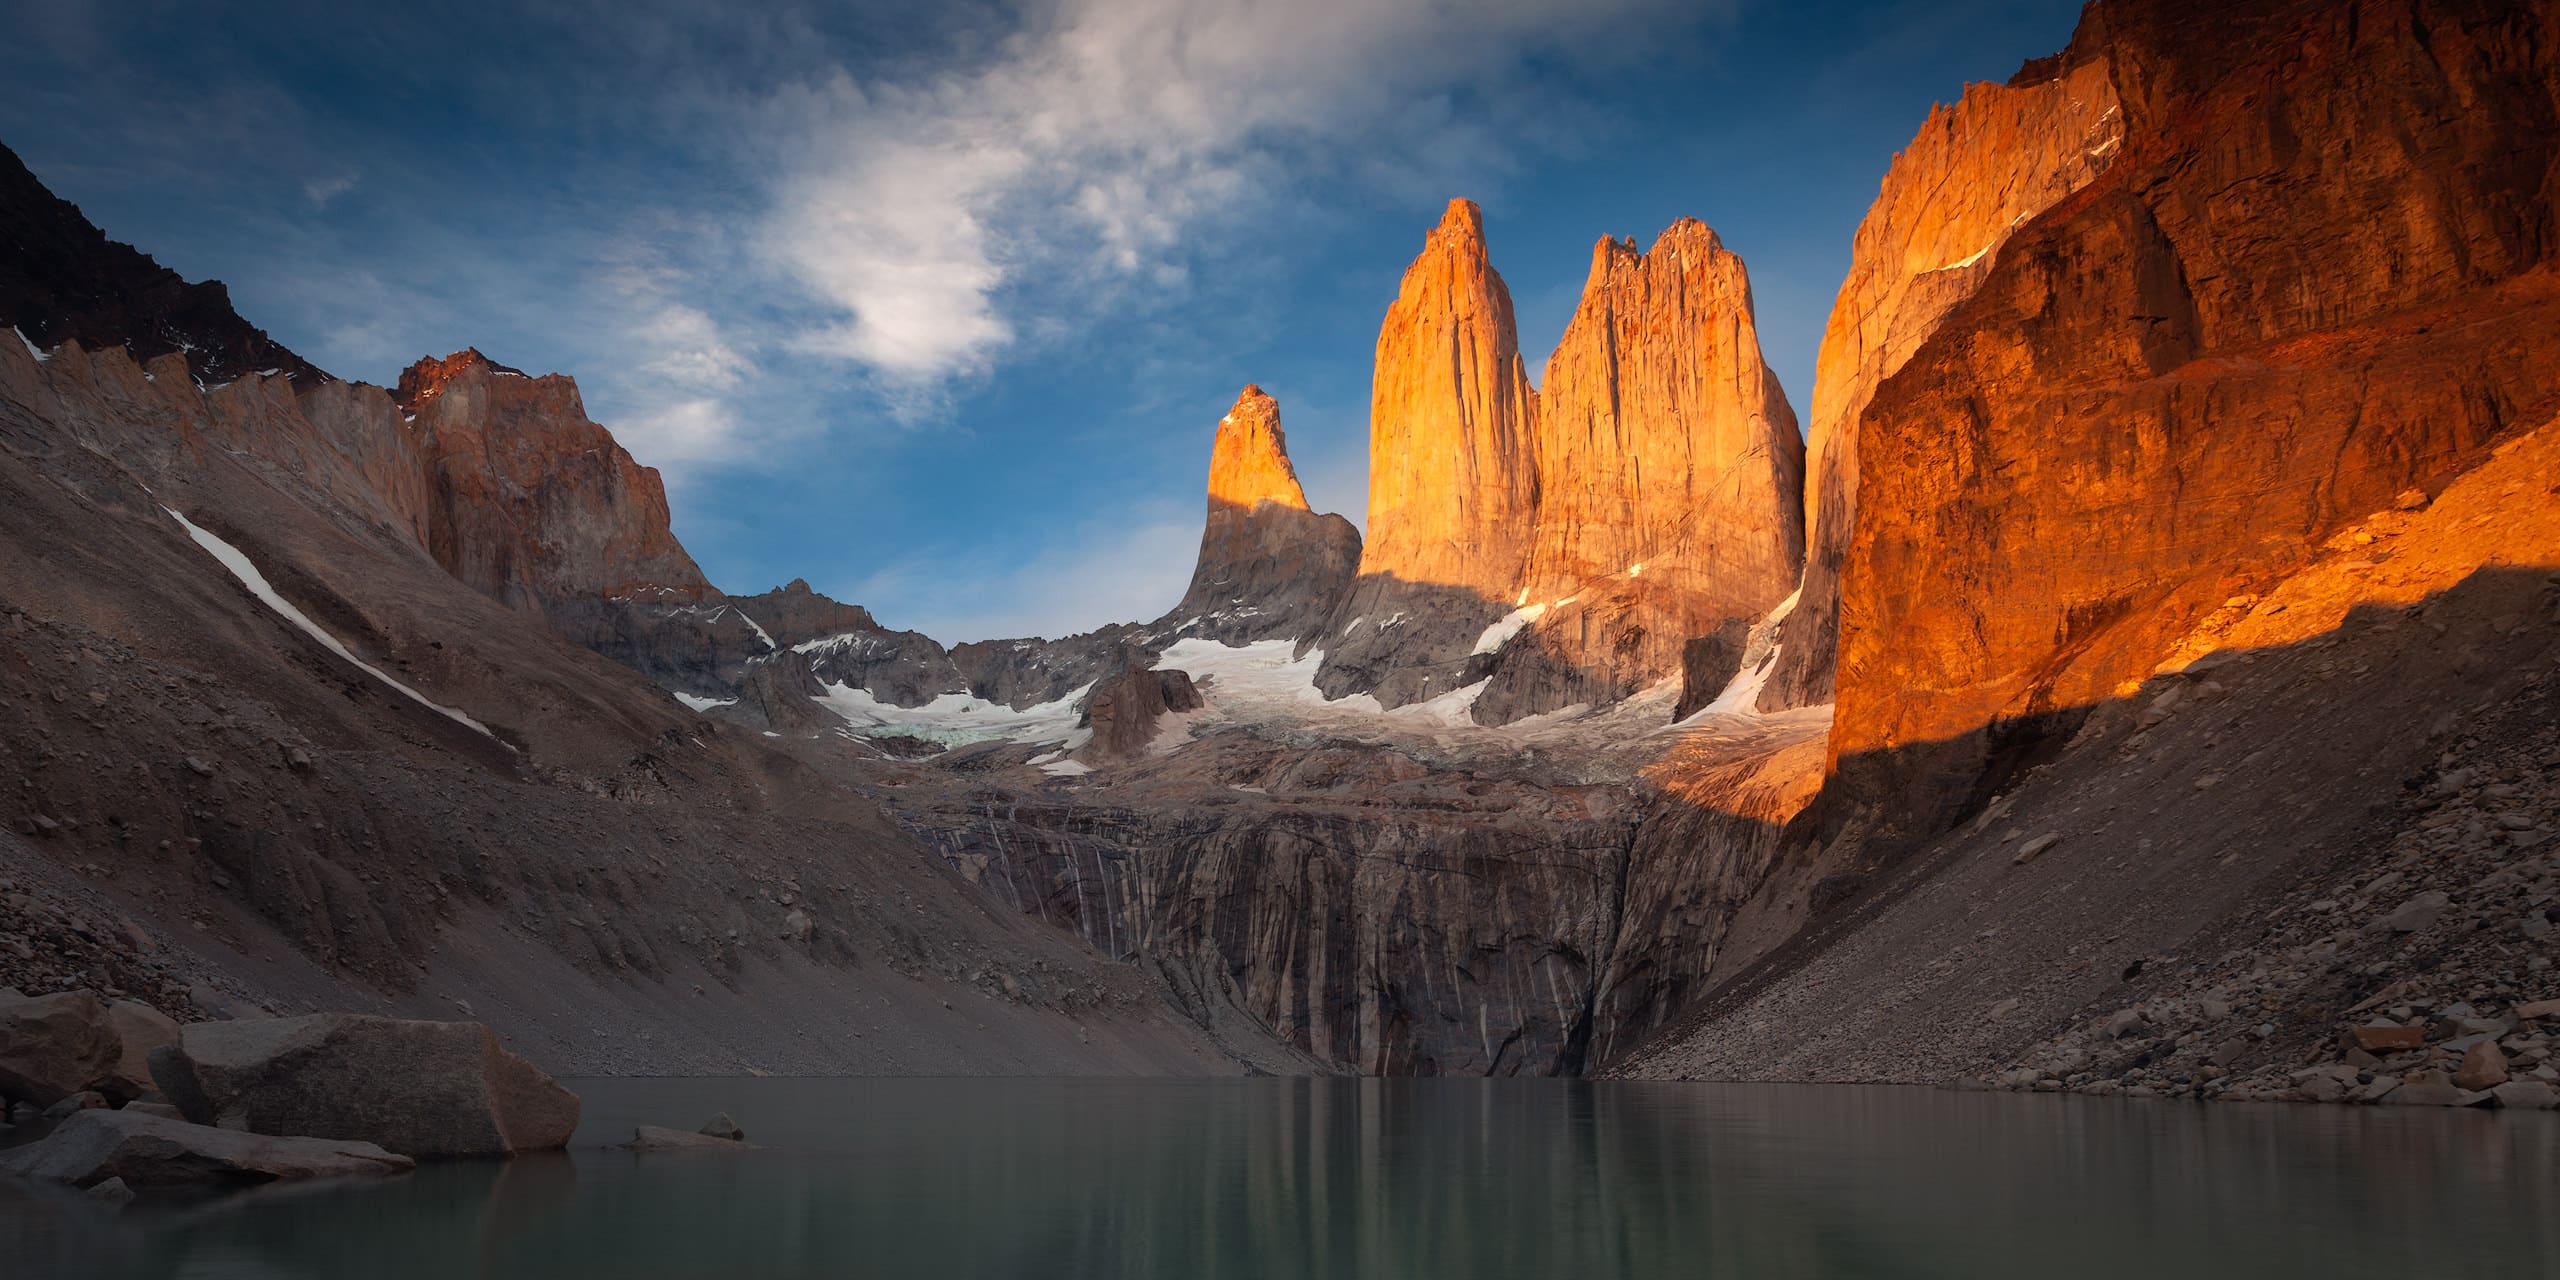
(320, 191)
(916, 213)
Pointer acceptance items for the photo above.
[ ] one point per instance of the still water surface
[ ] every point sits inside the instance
(1369, 1178)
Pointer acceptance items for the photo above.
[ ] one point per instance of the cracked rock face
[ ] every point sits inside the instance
(2228, 346)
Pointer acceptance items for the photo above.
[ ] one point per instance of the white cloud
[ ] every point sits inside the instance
(1106, 131)
(674, 433)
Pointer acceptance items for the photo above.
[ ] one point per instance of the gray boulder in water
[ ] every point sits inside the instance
(146, 1151)
(424, 1089)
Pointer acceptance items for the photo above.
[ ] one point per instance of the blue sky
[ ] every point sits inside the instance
(937, 304)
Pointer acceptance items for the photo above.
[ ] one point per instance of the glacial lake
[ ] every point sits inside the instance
(1559, 1180)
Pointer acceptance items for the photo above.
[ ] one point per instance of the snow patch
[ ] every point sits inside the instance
(761, 633)
(1741, 695)
(955, 719)
(41, 356)
(1500, 633)
(247, 572)
(1975, 257)
(703, 704)
(1066, 769)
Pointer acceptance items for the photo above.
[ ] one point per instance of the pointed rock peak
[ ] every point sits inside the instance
(1461, 230)
(422, 381)
(1250, 462)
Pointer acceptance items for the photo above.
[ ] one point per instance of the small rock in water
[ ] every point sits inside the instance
(113, 1190)
(2425, 1089)
(721, 1126)
(650, 1137)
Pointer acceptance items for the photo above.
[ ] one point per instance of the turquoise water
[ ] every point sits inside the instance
(1368, 1178)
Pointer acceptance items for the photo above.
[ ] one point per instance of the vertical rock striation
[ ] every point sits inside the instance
(1671, 479)
(1974, 174)
(1453, 484)
(1269, 567)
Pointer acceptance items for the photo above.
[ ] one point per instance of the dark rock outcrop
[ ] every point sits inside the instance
(423, 1089)
(62, 280)
(1709, 663)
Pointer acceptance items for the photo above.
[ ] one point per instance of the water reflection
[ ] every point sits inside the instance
(1022, 1178)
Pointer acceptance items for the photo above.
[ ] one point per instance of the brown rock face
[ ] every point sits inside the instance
(1671, 478)
(2319, 275)
(1126, 709)
(1971, 177)
(1453, 484)
(534, 502)
(1268, 566)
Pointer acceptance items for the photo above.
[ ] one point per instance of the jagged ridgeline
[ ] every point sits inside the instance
(2182, 536)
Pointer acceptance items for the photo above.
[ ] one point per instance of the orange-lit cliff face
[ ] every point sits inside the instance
(1670, 478)
(1269, 568)
(1973, 175)
(2319, 275)
(1450, 420)
(533, 503)
(1249, 461)
(1652, 491)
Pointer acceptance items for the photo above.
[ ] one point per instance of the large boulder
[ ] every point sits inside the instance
(93, 1147)
(60, 1045)
(140, 1031)
(425, 1089)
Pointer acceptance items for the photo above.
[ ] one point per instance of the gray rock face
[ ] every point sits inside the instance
(1327, 892)
(148, 1151)
(425, 1089)
(794, 613)
(901, 668)
(1708, 663)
